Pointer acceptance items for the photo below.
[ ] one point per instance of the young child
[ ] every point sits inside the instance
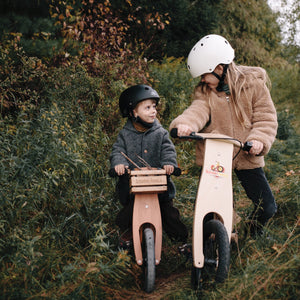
(144, 136)
(235, 101)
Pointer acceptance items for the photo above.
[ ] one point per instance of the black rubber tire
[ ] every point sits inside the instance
(149, 260)
(216, 251)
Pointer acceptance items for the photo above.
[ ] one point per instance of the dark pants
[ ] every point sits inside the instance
(171, 223)
(257, 188)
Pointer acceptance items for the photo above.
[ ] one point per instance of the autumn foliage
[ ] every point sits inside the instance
(96, 30)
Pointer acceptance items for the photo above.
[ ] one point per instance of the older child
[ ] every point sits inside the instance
(143, 136)
(233, 100)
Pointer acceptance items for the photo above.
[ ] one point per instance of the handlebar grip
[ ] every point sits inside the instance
(247, 146)
(192, 136)
(173, 133)
(112, 173)
(176, 172)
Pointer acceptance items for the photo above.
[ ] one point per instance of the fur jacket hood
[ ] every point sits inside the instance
(214, 113)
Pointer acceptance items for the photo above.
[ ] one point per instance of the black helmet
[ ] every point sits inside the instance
(133, 95)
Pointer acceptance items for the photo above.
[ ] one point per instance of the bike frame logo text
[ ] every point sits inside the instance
(216, 170)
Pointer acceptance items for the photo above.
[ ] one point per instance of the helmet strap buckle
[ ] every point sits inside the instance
(137, 119)
(222, 87)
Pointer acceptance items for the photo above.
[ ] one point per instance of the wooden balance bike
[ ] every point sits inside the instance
(145, 184)
(213, 215)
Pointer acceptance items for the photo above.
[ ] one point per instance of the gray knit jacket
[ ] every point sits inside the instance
(154, 146)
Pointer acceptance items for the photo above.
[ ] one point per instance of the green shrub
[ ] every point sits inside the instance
(174, 85)
(285, 129)
(285, 88)
(21, 80)
(55, 198)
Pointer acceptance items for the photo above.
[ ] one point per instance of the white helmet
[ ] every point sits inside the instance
(209, 52)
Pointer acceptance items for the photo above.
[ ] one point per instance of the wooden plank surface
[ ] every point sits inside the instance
(148, 180)
(148, 189)
(148, 172)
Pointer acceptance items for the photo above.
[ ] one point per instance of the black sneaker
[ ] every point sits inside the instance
(125, 245)
(125, 240)
(186, 250)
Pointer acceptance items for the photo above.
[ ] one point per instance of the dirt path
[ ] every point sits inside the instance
(165, 287)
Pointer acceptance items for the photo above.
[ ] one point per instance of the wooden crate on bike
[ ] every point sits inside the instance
(148, 180)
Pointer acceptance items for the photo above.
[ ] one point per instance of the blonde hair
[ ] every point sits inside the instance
(236, 81)
(237, 78)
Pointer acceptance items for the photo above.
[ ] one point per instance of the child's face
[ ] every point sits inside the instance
(211, 80)
(146, 110)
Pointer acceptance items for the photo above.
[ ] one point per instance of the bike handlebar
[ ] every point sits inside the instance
(113, 173)
(247, 146)
(192, 136)
(176, 172)
(196, 136)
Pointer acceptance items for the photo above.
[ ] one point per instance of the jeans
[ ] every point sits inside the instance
(257, 188)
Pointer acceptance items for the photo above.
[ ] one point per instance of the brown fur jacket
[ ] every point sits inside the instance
(214, 113)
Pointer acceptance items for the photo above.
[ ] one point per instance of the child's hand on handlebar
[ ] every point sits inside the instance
(256, 148)
(120, 169)
(184, 130)
(169, 169)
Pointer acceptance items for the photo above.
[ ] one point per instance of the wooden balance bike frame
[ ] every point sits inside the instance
(213, 215)
(145, 185)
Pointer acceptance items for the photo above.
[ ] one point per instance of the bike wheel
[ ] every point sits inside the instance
(216, 251)
(149, 260)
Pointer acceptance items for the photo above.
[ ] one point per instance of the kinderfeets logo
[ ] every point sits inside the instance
(216, 169)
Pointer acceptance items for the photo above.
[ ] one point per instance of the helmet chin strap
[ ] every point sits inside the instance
(139, 120)
(222, 87)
